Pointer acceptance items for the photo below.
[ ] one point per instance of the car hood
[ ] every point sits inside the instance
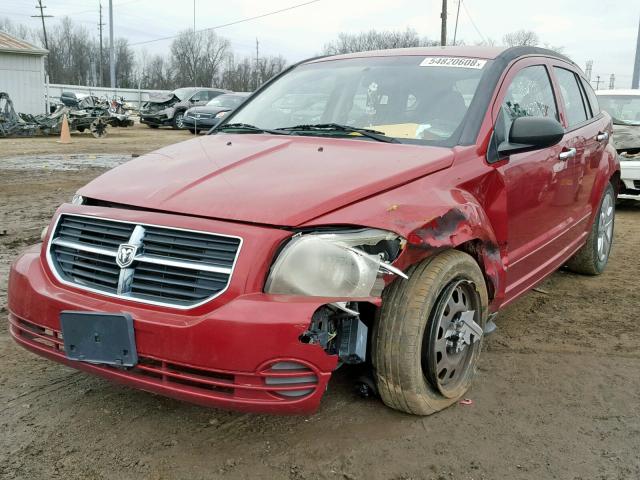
(626, 136)
(264, 179)
(162, 97)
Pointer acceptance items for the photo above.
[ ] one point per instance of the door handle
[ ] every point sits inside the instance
(567, 154)
(602, 137)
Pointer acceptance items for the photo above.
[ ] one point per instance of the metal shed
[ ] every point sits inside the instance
(22, 73)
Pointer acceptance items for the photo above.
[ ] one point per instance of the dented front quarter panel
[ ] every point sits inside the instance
(460, 207)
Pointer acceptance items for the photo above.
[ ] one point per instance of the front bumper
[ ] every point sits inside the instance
(155, 119)
(630, 178)
(220, 354)
(200, 123)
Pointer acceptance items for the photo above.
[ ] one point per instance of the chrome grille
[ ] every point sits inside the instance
(181, 268)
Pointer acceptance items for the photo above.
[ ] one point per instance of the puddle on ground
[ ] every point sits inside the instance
(68, 162)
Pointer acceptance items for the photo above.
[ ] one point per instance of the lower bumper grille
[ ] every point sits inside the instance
(276, 381)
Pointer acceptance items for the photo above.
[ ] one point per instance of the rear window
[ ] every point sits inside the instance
(572, 96)
(591, 95)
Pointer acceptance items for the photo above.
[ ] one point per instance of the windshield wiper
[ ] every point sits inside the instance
(248, 128)
(337, 127)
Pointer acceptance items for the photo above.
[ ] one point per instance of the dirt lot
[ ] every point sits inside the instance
(557, 395)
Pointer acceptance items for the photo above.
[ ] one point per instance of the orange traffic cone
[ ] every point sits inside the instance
(65, 136)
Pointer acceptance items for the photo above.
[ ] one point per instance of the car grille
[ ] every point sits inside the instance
(174, 267)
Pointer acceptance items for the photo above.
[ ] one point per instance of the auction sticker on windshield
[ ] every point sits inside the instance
(458, 62)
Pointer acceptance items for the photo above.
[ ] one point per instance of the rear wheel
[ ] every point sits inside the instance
(428, 336)
(592, 258)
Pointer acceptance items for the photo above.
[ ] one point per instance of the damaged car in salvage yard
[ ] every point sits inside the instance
(241, 268)
(624, 108)
(169, 109)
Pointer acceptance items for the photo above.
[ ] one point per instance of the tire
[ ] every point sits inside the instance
(177, 122)
(407, 333)
(592, 258)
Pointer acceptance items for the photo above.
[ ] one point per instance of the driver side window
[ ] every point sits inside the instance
(529, 95)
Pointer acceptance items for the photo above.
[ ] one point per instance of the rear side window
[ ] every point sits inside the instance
(529, 95)
(591, 95)
(572, 96)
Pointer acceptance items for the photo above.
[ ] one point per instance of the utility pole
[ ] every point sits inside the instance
(195, 62)
(597, 82)
(112, 60)
(44, 28)
(587, 70)
(257, 64)
(635, 82)
(612, 81)
(443, 29)
(100, 25)
(455, 31)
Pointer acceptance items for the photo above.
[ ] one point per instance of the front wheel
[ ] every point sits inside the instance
(178, 120)
(592, 258)
(428, 336)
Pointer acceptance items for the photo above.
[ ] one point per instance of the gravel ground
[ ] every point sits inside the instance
(557, 395)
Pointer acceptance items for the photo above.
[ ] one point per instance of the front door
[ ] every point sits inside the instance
(534, 181)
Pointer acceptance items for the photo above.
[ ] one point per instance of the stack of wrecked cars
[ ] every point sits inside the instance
(83, 112)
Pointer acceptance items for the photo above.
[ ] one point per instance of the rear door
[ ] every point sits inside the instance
(586, 134)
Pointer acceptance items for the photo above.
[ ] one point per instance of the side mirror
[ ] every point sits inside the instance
(531, 133)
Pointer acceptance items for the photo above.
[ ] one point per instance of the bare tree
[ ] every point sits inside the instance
(522, 38)
(376, 40)
(197, 58)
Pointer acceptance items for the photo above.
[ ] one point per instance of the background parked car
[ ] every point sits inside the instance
(624, 108)
(203, 118)
(169, 109)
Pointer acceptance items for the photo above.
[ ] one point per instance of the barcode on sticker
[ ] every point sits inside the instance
(458, 62)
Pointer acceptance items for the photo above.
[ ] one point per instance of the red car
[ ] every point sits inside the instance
(376, 208)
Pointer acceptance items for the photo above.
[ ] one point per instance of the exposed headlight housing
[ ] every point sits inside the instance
(77, 200)
(346, 264)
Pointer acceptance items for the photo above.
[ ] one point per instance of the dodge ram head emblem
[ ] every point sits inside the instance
(126, 254)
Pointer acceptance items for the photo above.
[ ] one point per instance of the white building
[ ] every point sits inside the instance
(22, 74)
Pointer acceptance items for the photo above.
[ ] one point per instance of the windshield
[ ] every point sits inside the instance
(225, 101)
(623, 108)
(413, 98)
(183, 93)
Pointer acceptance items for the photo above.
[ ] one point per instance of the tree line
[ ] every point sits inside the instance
(202, 58)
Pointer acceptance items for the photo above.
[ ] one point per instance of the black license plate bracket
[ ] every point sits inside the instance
(99, 337)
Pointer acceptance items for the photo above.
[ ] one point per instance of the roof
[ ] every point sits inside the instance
(619, 91)
(11, 44)
(487, 53)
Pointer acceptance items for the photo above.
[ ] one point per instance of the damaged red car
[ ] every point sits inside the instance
(375, 208)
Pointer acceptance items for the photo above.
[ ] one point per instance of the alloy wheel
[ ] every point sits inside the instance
(605, 227)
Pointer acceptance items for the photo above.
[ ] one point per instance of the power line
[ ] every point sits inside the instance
(472, 22)
(248, 19)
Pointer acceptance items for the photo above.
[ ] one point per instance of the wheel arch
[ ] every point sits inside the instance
(464, 227)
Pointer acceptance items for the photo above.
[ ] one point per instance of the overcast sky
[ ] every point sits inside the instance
(603, 31)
